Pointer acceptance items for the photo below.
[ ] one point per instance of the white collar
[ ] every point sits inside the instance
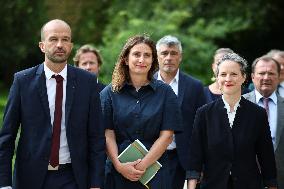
(49, 73)
(227, 106)
(175, 79)
(258, 97)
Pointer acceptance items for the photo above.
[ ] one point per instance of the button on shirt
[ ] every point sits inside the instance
(140, 114)
(174, 86)
(272, 112)
(64, 153)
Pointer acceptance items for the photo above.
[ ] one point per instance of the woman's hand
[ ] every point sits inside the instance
(129, 171)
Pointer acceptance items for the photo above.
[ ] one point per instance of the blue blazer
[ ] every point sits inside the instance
(28, 109)
(220, 151)
(190, 98)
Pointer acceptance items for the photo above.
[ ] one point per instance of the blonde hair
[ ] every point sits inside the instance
(85, 49)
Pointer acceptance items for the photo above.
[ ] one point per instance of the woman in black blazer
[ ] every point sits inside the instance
(231, 142)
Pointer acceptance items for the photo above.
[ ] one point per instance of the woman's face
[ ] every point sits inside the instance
(230, 78)
(140, 59)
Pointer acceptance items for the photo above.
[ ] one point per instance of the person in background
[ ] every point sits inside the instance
(229, 134)
(136, 106)
(61, 145)
(87, 57)
(190, 97)
(212, 92)
(278, 55)
(265, 76)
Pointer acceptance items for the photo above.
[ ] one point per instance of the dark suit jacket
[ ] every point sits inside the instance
(190, 98)
(28, 109)
(101, 86)
(218, 150)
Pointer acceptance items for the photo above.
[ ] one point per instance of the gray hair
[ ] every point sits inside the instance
(235, 58)
(275, 52)
(223, 51)
(266, 58)
(169, 40)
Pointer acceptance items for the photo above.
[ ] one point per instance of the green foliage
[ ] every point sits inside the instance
(163, 18)
(201, 25)
(3, 101)
(20, 25)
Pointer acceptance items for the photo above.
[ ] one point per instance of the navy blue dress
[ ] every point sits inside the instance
(209, 96)
(140, 115)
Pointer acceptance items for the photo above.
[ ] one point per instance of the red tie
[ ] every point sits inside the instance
(265, 104)
(54, 156)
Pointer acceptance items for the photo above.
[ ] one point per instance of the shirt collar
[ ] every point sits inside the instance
(49, 73)
(175, 79)
(258, 97)
(152, 84)
(227, 106)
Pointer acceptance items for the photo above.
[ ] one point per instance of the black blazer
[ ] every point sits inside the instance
(28, 109)
(190, 98)
(220, 150)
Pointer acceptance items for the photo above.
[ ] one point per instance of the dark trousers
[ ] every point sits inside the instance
(177, 173)
(60, 179)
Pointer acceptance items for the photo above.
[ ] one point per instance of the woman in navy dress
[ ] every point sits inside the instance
(231, 142)
(136, 106)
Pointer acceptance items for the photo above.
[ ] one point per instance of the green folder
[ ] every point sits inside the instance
(137, 150)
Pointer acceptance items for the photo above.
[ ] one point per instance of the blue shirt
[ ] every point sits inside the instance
(140, 115)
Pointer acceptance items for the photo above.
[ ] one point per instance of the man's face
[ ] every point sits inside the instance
(265, 77)
(89, 61)
(169, 58)
(57, 43)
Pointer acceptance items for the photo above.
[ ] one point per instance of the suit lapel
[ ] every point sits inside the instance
(41, 86)
(250, 96)
(280, 120)
(70, 91)
(181, 88)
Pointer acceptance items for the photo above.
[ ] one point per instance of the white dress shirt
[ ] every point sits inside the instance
(64, 153)
(231, 115)
(272, 104)
(174, 86)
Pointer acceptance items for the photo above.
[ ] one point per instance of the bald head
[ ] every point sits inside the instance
(51, 25)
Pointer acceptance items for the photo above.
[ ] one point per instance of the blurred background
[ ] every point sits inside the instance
(250, 28)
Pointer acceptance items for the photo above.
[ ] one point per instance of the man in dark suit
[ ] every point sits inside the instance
(61, 143)
(190, 96)
(265, 77)
(88, 58)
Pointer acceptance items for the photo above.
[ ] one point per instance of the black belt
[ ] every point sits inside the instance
(66, 166)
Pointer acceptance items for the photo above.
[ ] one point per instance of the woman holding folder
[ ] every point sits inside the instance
(231, 142)
(136, 106)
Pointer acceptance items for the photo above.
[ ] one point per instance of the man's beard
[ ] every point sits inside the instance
(57, 59)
